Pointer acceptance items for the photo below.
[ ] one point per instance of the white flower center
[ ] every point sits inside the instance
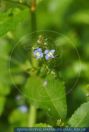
(50, 54)
(38, 54)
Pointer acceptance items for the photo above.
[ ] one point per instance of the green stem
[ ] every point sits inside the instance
(33, 16)
(32, 116)
(32, 112)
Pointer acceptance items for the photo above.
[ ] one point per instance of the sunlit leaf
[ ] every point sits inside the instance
(48, 94)
(10, 19)
(81, 116)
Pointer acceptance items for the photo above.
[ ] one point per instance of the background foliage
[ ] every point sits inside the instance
(21, 74)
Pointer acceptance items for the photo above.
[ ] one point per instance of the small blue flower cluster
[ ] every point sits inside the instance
(49, 54)
(38, 53)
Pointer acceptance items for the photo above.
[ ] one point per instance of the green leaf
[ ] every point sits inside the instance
(10, 19)
(18, 118)
(81, 17)
(48, 94)
(81, 116)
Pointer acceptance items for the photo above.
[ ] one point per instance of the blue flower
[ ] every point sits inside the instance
(38, 53)
(49, 54)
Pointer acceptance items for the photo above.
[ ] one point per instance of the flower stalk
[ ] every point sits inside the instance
(32, 111)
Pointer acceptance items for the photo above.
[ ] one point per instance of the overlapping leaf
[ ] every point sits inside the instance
(48, 94)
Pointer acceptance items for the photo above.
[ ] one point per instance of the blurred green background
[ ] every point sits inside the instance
(67, 23)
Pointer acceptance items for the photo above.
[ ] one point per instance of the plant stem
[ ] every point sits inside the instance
(32, 111)
(32, 116)
(33, 16)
